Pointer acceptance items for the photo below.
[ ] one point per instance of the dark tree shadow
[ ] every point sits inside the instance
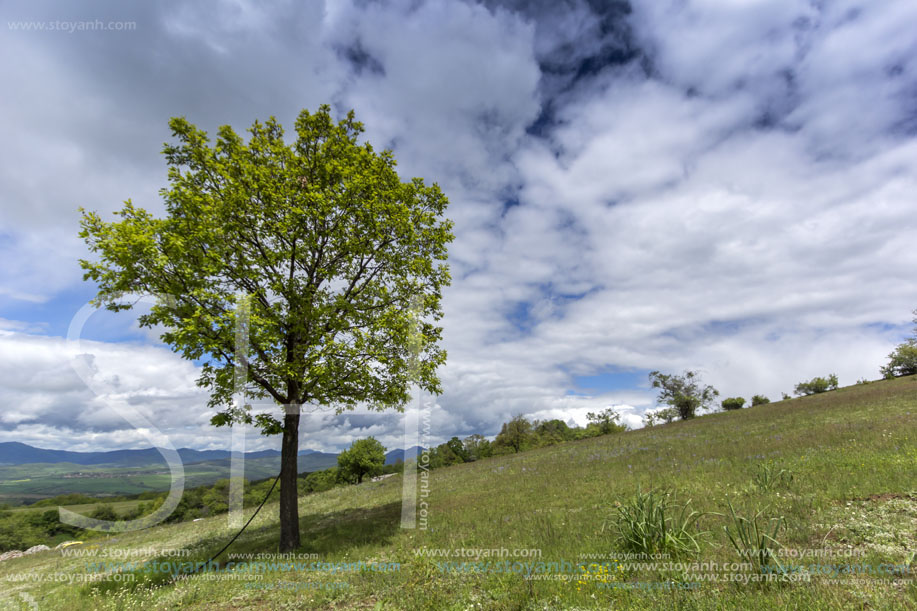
(339, 531)
(325, 533)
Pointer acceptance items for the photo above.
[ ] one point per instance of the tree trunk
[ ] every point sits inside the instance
(289, 497)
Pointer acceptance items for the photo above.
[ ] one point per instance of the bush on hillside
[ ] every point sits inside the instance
(604, 422)
(104, 512)
(660, 416)
(733, 403)
(320, 481)
(759, 400)
(816, 385)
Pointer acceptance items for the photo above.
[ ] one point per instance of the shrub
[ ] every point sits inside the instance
(666, 415)
(654, 522)
(319, 481)
(759, 400)
(605, 422)
(132, 514)
(104, 512)
(816, 385)
(216, 499)
(19, 534)
(733, 403)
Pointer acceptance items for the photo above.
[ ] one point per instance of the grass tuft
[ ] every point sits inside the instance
(768, 477)
(756, 542)
(654, 522)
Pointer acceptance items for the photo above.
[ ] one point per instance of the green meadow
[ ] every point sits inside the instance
(808, 503)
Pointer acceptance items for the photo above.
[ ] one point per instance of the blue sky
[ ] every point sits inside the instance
(607, 382)
(721, 186)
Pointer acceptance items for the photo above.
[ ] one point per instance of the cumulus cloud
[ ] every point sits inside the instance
(647, 185)
(45, 396)
(87, 392)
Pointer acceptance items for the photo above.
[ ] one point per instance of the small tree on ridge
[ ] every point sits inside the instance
(686, 393)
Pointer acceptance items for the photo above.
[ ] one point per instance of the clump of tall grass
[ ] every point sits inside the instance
(768, 476)
(756, 542)
(655, 522)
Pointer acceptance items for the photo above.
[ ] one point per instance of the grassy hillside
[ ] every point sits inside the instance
(840, 469)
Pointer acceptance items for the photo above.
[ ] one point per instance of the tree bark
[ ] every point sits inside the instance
(289, 497)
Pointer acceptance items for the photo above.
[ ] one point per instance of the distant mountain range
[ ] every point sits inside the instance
(15, 453)
(395, 455)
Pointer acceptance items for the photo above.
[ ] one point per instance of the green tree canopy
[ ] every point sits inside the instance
(476, 447)
(606, 421)
(365, 457)
(515, 434)
(458, 448)
(332, 260)
(733, 403)
(552, 431)
(686, 393)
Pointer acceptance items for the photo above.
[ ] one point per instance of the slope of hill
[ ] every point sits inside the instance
(835, 474)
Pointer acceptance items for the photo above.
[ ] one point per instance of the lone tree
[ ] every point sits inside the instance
(685, 393)
(515, 434)
(332, 260)
(365, 457)
(903, 360)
